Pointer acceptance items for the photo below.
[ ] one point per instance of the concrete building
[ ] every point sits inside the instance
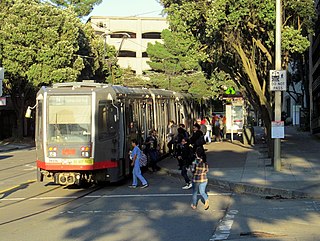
(130, 36)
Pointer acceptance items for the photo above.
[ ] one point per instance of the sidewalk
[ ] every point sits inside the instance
(246, 169)
(10, 146)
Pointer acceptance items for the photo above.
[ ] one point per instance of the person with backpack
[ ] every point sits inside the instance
(136, 172)
(184, 157)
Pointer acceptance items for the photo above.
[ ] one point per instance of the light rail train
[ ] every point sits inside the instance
(83, 131)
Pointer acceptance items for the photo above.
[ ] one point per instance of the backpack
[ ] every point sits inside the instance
(217, 123)
(143, 160)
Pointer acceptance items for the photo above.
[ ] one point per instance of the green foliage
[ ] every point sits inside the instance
(293, 41)
(238, 38)
(179, 53)
(41, 44)
(81, 7)
(177, 63)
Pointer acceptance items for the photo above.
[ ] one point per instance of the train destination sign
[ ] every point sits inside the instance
(278, 80)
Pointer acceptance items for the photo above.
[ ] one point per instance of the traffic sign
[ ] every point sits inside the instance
(278, 80)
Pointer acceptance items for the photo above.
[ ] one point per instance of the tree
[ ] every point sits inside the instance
(81, 7)
(238, 37)
(175, 64)
(96, 55)
(39, 46)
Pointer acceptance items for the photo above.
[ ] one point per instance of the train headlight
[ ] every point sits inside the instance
(52, 151)
(85, 151)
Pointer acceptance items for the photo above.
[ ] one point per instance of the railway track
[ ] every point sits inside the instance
(21, 201)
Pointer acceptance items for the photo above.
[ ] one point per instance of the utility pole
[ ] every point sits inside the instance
(1, 79)
(277, 94)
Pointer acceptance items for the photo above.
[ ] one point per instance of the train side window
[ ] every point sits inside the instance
(106, 120)
(39, 120)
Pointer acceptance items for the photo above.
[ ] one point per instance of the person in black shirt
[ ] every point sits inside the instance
(185, 158)
(152, 150)
(197, 138)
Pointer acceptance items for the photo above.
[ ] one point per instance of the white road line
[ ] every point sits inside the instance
(224, 229)
(115, 196)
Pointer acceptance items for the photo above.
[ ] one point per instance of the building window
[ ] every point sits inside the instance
(121, 34)
(144, 55)
(127, 53)
(151, 35)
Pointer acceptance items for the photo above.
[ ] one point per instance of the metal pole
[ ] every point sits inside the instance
(232, 110)
(277, 95)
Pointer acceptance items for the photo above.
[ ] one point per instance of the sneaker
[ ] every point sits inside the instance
(145, 185)
(132, 186)
(206, 205)
(194, 207)
(187, 186)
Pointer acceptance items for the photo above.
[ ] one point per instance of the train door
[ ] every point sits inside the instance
(131, 132)
(40, 155)
(139, 115)
(122, 139)
(161, 123)
(150, 116)
(107, 146)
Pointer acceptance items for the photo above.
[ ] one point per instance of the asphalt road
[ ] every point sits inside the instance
(161, 212)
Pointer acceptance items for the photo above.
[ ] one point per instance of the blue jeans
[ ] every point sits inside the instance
(136, 173)
(201, 186)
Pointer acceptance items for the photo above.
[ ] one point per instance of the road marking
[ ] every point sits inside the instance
(17, 186)
(115, 196)
(29, 167)
(128, 210)
(224, 229)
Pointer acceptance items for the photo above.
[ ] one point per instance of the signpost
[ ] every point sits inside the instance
(277, 80)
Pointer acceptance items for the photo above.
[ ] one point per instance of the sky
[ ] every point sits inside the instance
(128, 8)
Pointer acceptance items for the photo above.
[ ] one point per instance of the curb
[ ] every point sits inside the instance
(246, 188)
(13, 148)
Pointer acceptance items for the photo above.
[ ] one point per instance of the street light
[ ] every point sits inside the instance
(105, 34)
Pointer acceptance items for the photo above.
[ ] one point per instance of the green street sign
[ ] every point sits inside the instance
(230, 91)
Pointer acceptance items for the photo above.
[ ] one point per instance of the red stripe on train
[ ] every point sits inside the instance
(66, 167)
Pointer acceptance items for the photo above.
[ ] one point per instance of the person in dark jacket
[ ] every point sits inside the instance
(152, 150)
(185, 158)
(197, 138)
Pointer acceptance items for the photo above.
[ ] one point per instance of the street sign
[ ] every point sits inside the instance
(277, 129)
(230, 91)
(278, 80)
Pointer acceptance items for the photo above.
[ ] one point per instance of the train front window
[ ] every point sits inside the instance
(69, 118)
